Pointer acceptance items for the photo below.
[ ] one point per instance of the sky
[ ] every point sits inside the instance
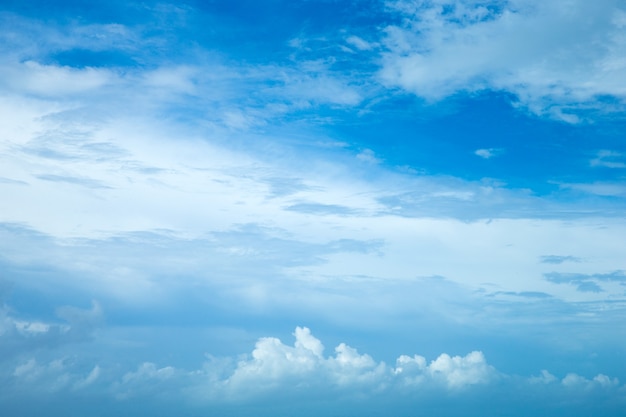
(313, 207)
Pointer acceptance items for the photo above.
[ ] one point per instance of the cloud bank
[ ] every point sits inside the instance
(302, 372)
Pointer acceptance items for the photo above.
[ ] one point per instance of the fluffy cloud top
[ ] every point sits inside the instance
(275, 365)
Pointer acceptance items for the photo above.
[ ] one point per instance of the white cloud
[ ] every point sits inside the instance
(460, 371)
(545, 378)
(488, 153)
(26, 369)
(52, 81)
(52, 377)
(276, 366)
(20, 337)
(31, 327)
(368, 156)
(359, 43)
(148, 379)
(557, 57)
(89, 379)
(573, 380)
(608, 159)
(606, 189)
(148, 371)
(454, 372)
(179, 80)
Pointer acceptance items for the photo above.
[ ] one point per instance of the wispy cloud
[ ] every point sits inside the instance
(608, 159)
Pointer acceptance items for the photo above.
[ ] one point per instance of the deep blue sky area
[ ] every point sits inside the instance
(312, 207)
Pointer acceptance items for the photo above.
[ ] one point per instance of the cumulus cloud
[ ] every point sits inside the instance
(274, 365)
(53, 376)
(305, 371)
(599, 381)
(452, 371)
(460, 371)
(556, 57)
(487, 153)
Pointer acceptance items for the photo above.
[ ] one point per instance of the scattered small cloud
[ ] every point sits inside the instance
(586, 282)
(368, 156)
(275, 366)
(557, 259)
(488, 153)
(359, 43)
(588, 286)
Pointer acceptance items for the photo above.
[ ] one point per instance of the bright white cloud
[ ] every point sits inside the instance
(19, 336)
(557, 57)
(454, 372)
(460, 371)
(276, 366)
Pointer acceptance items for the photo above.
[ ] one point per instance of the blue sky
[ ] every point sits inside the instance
(319, 207)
